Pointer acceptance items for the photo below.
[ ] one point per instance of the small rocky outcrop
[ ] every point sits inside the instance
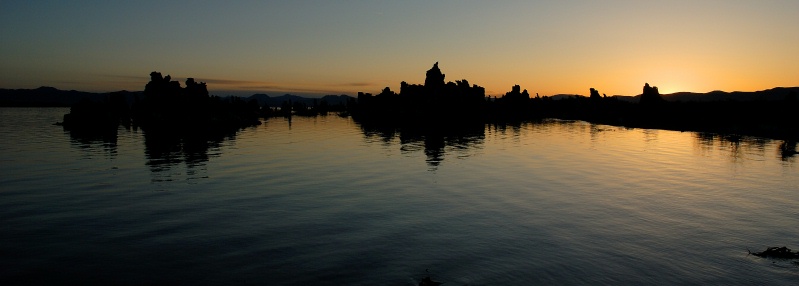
(650, 95)
(777, 252)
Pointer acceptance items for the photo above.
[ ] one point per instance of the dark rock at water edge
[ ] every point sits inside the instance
(777, 252)
(98, 116)
(165, 107)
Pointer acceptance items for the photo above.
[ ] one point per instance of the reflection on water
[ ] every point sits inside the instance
(434, 140)
(165, 152)
(787, 150)
(329, 201)
(742, 147)
(168, 150)
(90, 142)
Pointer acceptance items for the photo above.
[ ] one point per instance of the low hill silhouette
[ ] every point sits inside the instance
(46, 96)
(774, 94)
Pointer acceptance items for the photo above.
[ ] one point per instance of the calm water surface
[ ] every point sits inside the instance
(325, 201)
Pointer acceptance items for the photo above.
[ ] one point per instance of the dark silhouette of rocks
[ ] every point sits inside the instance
(165, 107)
(428, 118)
(428, 281)
(777, 252)
(767, 113)
(104, 116)
(434, 79)
(651, 96)
(435, 102)
(594, 95)
(514, 105)
(770, 117)
(409, 114)
(180, 124)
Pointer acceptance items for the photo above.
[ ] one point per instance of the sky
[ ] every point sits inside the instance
(316, 48)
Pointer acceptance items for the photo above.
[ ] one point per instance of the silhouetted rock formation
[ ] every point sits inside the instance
(180, 123)
(165, 107)
(766, 118)
(429, 117)
(435, 102)
(515, 105)
(105, 116)
(427, 281)
(434, 79)
(436, 114)
(651, 95)
(595, 95)
(777, 252)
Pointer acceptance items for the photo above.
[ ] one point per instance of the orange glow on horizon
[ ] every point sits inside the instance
(561, 47)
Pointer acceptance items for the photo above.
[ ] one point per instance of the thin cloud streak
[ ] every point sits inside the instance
(355, 84)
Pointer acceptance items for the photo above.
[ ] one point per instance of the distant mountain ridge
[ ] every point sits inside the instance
(773, 94)
(49, 96)
(46, 96)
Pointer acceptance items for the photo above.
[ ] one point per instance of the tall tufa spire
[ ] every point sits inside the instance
(434, 77)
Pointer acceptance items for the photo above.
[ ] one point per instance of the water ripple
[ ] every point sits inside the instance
(323, 201)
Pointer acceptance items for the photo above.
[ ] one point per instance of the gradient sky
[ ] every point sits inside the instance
(342, 47)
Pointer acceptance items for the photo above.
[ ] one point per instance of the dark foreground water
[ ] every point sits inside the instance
(325, 201)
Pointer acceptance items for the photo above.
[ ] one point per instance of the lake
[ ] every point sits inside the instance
(329, 201)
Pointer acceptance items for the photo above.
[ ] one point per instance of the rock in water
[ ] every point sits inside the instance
(777, 252)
